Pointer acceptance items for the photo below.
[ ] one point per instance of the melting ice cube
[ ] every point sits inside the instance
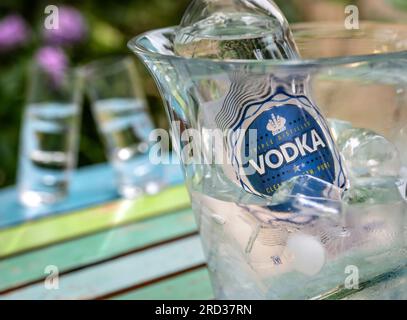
(338, 127)
(367, 154)
(307, 195)
(375, 214)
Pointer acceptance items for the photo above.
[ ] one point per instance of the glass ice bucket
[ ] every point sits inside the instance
(299, 243)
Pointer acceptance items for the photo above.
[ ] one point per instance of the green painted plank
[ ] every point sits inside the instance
(120, 273)
(194, 285)
(80, 252)
(55, 229)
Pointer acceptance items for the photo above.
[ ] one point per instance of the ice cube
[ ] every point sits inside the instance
(373, 190)
(232, 218)
(375, 214)
(265, 251)
(300, 204)
(400, 140)
(308, 195)
(309, 186)
(402, 182)
(367, 154)
(338, 127)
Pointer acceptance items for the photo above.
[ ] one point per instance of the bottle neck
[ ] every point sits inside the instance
(297, 84)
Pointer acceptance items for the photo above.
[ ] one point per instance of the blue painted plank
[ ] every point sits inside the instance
(192, 285)
(91, 185)
(120, 273)
(81, 252)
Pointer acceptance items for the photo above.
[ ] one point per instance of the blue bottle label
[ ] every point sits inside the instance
(289, 142)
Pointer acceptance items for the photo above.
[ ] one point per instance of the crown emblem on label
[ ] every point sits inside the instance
(276, 124)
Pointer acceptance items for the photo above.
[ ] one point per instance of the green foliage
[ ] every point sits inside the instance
(111, 24)
(401, 4)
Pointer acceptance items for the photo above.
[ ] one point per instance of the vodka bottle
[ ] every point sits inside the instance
(292, 136)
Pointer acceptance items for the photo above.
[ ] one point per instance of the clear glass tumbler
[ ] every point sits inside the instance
(307, 241)
(49, 136)
(121, 113)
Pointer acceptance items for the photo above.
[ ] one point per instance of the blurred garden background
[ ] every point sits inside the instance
(94, 29)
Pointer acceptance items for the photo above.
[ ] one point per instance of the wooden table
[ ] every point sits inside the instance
(95, 246)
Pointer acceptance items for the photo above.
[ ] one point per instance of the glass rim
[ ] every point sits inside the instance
(135, 46)
(68, 71)
(105, 66)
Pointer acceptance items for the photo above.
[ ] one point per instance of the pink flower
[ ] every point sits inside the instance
(14, 32)
(71, 27)
(53, 61)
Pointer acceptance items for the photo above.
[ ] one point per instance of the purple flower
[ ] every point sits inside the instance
(14, 32)
(53, 61)
(71, 27)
